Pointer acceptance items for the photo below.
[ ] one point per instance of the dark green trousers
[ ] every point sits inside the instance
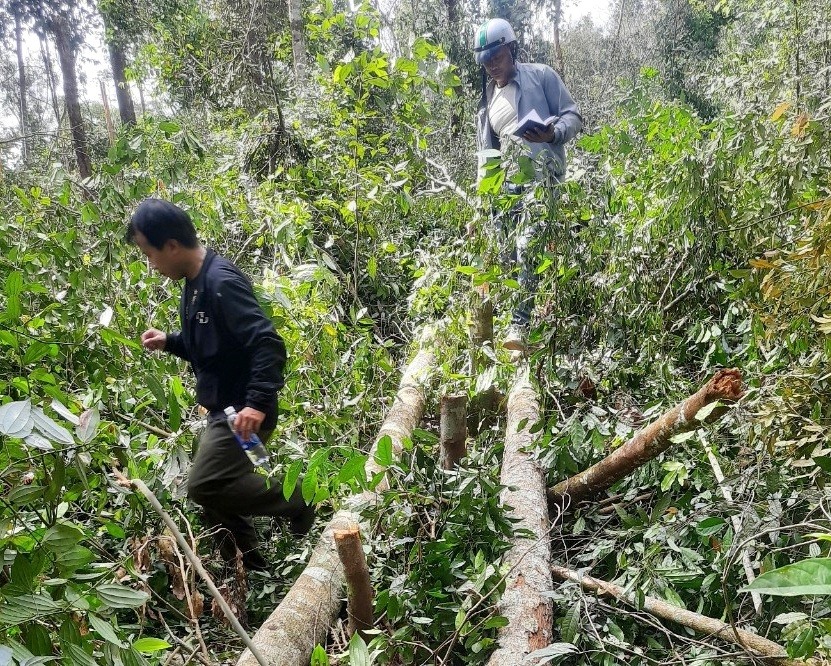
(223, 482)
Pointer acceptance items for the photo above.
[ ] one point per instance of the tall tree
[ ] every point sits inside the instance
(118, 17)
(21, 74)
(66, 44)
(62, 22)
(298, 39)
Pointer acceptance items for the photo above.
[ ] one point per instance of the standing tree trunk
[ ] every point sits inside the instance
(66, 55)
(118, 63)
(50, 80)
(452, 429)
(558, 52)
(298, 41)
(524, 602)
(21, 75)
(359, 592)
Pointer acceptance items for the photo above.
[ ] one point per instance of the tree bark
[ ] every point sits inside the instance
(648, 442)
(118, 63)
(452, 429)
(524, 602)
(51, 84)
(558, 52)
(66, 56)
(304, 617)
(108, 117)
(481, 324)
(298, 41)
(358, 586)
(21, 77)
(761, 647)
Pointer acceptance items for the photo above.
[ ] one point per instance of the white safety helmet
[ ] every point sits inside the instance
(490, 36)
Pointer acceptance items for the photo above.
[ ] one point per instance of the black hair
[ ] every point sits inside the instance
(160, 221)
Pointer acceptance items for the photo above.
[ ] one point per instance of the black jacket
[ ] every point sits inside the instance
(236, 354)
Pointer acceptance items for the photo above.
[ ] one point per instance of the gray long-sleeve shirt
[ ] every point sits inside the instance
(539, 88)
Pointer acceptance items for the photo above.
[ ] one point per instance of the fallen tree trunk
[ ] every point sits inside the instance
(304, 617)
(524, 602)
(650, 441)
(760, 647)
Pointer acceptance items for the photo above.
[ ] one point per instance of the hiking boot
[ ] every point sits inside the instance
(301, 524)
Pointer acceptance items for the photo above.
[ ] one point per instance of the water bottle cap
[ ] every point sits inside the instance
(230, 410)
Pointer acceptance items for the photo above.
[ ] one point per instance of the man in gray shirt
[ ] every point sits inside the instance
(514, 91)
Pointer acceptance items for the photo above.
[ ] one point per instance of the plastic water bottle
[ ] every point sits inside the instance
(254, 447)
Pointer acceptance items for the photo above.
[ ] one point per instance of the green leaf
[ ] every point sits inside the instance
(823, 462)
(550, 652)
(682, 437)
(710, 526)
(353, 468)
(290, 479)
(570, 624)
(148, 645)
(88, 425)
(104, 629)
(496, 622)
(309, 486)
(78, 656)
(14, 287)
(49, 429)
(706, 410)
(809, 577)
(358, 651)
(14, 416)
(120, 596)
(383, 452)
(62, 537)
(803, 644)
(175, 411)
(319, 657)
(26, 607)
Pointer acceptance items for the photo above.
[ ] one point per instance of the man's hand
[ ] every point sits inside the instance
(541, 136)
(153, 339)
(248, 422)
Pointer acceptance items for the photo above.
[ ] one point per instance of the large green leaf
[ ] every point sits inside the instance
(62, 537)
(808, 577)
(14, 417)
(149, 645)
(120, 596)
(27, 607)
(49, 429)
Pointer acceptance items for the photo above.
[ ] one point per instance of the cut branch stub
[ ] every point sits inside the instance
(452, 429)
(358, 586)
(651, 441)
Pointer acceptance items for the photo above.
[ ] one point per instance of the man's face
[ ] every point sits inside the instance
(165, 260)
(500, 66)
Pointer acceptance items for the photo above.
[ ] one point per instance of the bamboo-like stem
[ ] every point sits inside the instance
(760, 647)
(358, 586)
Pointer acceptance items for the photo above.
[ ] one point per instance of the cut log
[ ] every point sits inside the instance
(481, 320)
(304, 617)
(359, 592)
(760, 647)
(524, 602)
(452, 429)
(649, 442)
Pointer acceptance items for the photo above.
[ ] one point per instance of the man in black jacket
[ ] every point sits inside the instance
(238, 359)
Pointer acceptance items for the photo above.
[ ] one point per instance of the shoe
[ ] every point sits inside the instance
(254, 561)
(514, 339)
(300, 525)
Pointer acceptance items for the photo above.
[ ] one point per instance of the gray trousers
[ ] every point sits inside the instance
(223, 482)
